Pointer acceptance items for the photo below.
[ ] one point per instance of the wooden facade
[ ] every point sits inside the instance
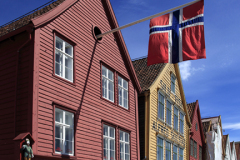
(212, 128)
(31, 92)
(196, 139)
(154, 127)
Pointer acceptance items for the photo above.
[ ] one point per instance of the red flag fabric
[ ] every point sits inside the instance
(177, 36)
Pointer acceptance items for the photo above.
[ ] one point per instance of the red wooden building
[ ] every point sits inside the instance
(197, 139)
(77, 96)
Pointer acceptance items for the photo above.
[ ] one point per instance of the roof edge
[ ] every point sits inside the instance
(200, 120)
(40, 20)
(122, 43)
(28, 28)
(182, 94)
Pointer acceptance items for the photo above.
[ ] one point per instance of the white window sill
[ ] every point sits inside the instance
(169, 125)
(161, 120)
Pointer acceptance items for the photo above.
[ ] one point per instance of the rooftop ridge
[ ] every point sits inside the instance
(27, 14)
(139, 58)
(210, 117)
(191, 103)
(26, 18)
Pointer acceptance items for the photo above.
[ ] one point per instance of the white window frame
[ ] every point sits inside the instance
(124, 142)
(162, 147)
(108, 81)
(166, 150)
(200, 152)
(173, 83)
(175, 152)
(62, 134)
(191, 147)
(163, 106)
(64, 54)
(177, 118)
(181, 155)
(182, 121)
(170, 113)
(121, 87)
(108, 139)
(195, 149)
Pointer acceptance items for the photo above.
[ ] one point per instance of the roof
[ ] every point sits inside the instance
(191, 107)
(146, 74)
(25, 19)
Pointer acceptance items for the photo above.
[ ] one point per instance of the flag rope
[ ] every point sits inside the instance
(147, 18)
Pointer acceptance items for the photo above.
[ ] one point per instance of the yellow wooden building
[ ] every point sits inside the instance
(164, 122)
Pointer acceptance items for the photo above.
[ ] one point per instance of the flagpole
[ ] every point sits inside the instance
(147, 18)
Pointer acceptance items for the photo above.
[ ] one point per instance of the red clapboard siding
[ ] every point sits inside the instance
(197, 133)
(14, 101)
(84, 95)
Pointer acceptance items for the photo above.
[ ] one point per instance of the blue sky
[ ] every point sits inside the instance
(213, 81)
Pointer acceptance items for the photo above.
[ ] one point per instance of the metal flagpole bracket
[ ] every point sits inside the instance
(147, 18)
(96, 31)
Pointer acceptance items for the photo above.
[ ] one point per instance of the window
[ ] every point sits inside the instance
(107, 84)
(108, 143)
(122, 92)
(191, 147)
(64, 132)
(200, 152)
(175, 118)
(63, 59)
(180, 154)
(173, 79)
(181, 123)
(168, 151)
(159, 148)
(169, 113)
(195, 149)
(124, 146)
(196, 126)
(174, 152)
(160, 106)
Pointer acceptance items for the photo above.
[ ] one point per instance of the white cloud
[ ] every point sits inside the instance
(187, 70)
(233, 126)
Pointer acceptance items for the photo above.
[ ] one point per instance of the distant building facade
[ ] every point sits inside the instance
(226, 147)
(196, 138)
(237, 148)
(163, 117)
(213, 134)
(233, 151)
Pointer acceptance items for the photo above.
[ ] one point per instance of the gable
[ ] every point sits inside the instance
(55, 10)
(163, 81)
(197, 127)
(25, 20)
(75, 25)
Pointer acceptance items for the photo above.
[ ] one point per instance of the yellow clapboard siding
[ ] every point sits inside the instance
(165, 76)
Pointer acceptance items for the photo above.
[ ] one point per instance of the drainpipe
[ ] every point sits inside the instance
(18, 52)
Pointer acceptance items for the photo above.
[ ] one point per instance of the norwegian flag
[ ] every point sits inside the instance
(177, 36)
